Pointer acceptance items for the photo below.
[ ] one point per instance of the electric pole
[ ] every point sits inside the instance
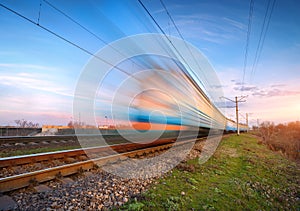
(237, 115)
(247, 123)
(237, 101)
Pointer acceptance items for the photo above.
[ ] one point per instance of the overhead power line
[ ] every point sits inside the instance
(164, 6)
(192, 80)
(247, 41)
(40, 12)
(262, 36)
(64, 39)
(76, 45)
(74, 21)
(181, 36)
(86, 29)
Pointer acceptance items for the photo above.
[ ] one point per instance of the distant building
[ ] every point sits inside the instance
(47, 127)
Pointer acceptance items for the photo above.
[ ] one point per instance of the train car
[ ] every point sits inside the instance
(163, 96)
(232, 127)
(194, 112)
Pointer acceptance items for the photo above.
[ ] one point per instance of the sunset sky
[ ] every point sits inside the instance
(39, 71)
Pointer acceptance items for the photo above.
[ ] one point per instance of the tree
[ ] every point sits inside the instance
(70, 124)
(266, 130)
(21, 123)
(26, 124)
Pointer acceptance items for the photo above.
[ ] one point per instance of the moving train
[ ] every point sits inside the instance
(168, 100)
(231, 126)
(160, 94)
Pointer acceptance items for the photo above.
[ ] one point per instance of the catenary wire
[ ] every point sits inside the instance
(87, 30)
(264, 37)
(180, 34)
(65, 39)
(247, 42)
(156, 23)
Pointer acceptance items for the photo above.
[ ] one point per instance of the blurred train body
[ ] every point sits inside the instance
(156, 111)
(231, 126)
(162, 95)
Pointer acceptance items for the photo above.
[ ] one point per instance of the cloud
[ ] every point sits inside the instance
(36, 102)
(158, 11)
(278, 85)
(218, 86)
(272, 90)
(275, 93)
(27, 66)
(170, 8)
(236, 24)
(245, 88)
(35, 81)
(32, 105)
(211, 28)
(49, 117)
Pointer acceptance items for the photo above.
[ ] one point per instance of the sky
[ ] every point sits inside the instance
(39, 71)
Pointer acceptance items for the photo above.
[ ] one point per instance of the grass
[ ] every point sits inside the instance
(241, 175)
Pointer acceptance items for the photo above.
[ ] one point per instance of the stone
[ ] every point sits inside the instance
(54, 205)
(6, 145)
(42, 188)
(66, 181)
(87, 173)
(70, 160)
(38, 165)
(7, 203)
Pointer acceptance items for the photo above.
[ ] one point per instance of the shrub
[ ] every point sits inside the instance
(282, 137)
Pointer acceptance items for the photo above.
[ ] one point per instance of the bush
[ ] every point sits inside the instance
(282, 137)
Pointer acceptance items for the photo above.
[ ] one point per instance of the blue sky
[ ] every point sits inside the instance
(39, 72)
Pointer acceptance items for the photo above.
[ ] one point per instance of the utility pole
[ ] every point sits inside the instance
(237, 115)
(237, 100)
(79, 119)
(247, 123)
(106, 121)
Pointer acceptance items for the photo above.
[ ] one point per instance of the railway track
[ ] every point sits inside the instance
(72, 162)
(20, 164)
(111, 137)
(32, 140)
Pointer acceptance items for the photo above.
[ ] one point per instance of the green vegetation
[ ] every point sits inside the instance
(241, 175)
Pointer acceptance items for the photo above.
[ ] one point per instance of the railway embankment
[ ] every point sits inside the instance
(243, 174)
